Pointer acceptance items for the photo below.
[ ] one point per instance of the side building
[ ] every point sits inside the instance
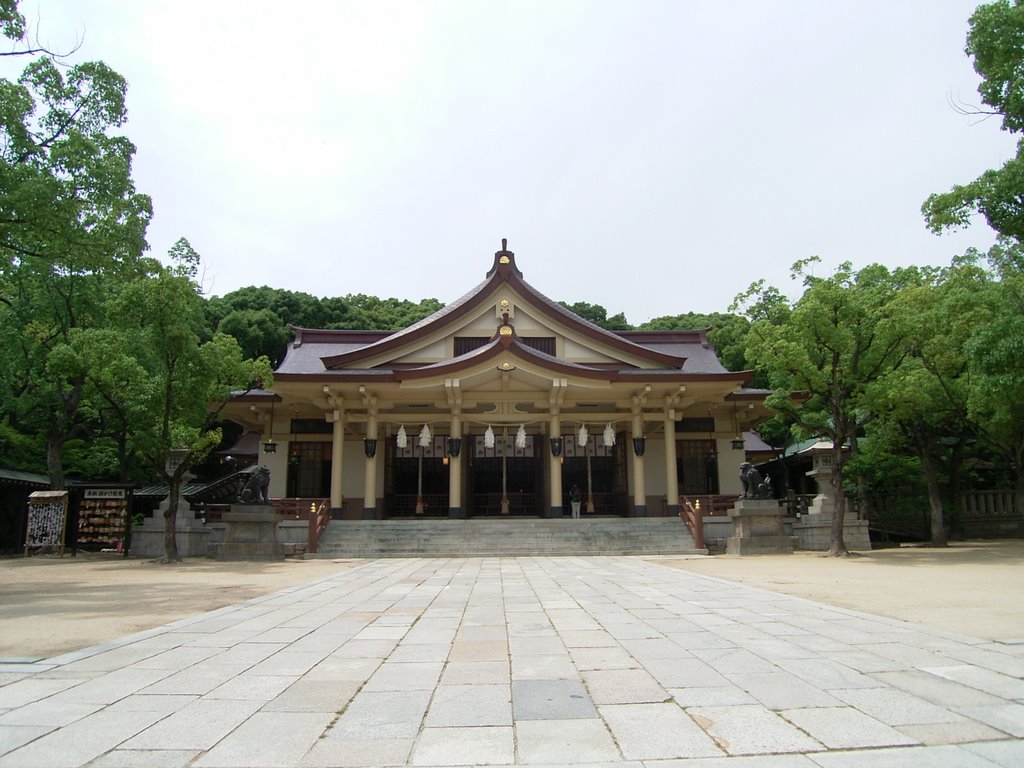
(503, 402)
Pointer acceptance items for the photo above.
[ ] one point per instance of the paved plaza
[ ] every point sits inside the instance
(601, 661)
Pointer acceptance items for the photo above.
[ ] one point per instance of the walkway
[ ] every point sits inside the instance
(605, 661)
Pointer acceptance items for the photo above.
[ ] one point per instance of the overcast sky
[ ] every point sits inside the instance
(651, 157)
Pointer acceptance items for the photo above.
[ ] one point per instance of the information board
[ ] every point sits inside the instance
(47, 511)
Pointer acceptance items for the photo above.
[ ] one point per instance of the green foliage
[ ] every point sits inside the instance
(259, 318)
(71, 226)
(598, 315)
(179, 376)
(359, 311)
(728, 334)
(824, 351)
(994, 352)
(996, 43)
(21, 450)
(258, 332)
(776, 431)
(12, 23)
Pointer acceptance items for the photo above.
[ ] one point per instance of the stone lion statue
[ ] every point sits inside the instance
(255, 489)
(754, 485)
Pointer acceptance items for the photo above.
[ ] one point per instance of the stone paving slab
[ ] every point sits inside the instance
(589, 662)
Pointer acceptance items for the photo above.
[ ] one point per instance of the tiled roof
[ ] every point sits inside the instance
(24, 478)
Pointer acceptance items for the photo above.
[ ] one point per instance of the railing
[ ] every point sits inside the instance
(518, 504)
(210, 513)
(317, 512)
(296, 509)
(693, 516)
(796, 504)
(989, 505)
(711, 505)
(693, 510)
(404, 505)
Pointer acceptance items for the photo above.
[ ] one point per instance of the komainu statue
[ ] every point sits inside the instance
(754, 485)
(255, 489)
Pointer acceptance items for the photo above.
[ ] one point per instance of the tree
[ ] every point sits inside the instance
(598, 315)
(822, 352)
(258, 332)
(924, 402)
(996, 42)
(995, 354)
(259, 318)
(71, 223)
(189, 378)
(728, 334)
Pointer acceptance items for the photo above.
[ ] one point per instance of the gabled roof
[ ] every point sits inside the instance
(335, 355)
(503, 272)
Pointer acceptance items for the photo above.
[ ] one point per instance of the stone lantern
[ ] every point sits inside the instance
(814, 530)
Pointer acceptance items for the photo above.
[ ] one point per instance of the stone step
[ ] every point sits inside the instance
(505, 537)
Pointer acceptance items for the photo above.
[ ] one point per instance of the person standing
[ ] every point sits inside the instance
(575, 501)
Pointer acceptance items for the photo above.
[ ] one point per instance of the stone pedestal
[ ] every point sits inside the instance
(250, 533)
(192, 535)
(814, 530)
(758, 529)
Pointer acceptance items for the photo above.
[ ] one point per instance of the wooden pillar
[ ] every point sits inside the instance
(337, 455)
(639, 481)
(555, 465)
(455, 469)
(671, 471)
(370, 475)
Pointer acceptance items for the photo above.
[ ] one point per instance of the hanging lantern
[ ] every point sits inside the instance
(489, 438)
(609, 436)
(521, 437)
(401, 439)
(581, 438)
(425, 437)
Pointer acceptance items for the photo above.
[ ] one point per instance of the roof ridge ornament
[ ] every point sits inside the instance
(505, 331)
(504, 262)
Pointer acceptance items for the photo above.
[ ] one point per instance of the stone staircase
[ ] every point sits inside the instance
(507, 537)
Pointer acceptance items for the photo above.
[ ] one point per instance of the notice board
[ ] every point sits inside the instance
(103, 518)
(47, 512)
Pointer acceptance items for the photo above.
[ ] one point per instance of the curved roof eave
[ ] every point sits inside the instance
(503, 271)
(454, 310)
(497, 347)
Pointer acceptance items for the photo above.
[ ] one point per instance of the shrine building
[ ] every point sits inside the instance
(501, 403)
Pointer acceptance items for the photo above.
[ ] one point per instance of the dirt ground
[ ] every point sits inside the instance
(49, 605)
(970, 588)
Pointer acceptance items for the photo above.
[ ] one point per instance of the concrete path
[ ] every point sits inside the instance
(604, 661)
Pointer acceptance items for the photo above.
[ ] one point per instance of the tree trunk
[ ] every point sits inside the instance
(122, 458)
(171, 516)
(837, 546)
(54, 458)
(931, 477)
(956, 461)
